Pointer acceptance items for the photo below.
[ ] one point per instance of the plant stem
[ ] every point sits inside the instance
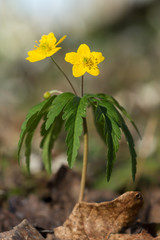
(82, 86)
(85, 158)
(65, 76)
(85, 153)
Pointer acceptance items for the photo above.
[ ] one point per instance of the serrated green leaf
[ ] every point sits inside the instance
(74, 112)
(111, 109)
(49, 137)
(115, 119)
(43, 130)
(105, 107)
(122, 109)
(57, 106)
(29, 125)
(111, 153)
(113, 113)
(29, 118)
(99, 122)
(105, 127)
(28, 141)
(131, 148)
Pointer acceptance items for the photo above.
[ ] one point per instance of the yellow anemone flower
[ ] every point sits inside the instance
(47, 47)
(84, 61)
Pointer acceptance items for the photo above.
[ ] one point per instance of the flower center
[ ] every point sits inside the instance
(88, 62)
(45, 46)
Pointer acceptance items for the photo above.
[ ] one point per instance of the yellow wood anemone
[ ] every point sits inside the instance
(84, 61)
(47, 47)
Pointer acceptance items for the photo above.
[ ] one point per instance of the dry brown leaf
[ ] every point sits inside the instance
(144, 235)
(96, 221)
(22, 231)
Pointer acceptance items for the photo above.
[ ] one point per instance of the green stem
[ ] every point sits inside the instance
(85, 153)
(65, 76)
(82, 86)
(85, 158)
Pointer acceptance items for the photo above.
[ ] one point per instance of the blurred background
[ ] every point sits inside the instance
(127, 32)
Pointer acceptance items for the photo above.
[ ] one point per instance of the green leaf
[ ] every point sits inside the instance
(99, 122)
(29, 118)
(46, 152)
(115, 119)
(108, 121)
(28, 140)
(112, 112)
(131, 148)
(29, 125)
(43, 130)
(73, 115)
(49, 137)
(57, 106)
(111, 153)
(105, 127)
(122, 109)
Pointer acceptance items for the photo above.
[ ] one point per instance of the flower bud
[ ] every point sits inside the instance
(46, 95)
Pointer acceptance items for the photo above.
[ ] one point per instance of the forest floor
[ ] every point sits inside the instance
(47, 202)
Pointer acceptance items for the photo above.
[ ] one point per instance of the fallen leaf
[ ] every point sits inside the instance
(22, 231)
(144, 235)
(96, 221)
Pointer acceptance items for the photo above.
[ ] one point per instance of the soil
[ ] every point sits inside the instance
(49, 207)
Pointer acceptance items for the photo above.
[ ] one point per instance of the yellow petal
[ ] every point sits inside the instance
(61, 40)
(72, 58)
(98, 57)
(35, 55)
(84, 50)
(48, 38)
(51, 35)
(78, 70)
(46, 48)
(53, 51)
(93, 71)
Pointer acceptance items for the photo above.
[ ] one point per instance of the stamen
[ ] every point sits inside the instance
(88, 62)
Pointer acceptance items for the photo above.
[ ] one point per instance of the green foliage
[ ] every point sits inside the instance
(48, 138)
(74, 112)
(29, 125)
(57, 107)
(113, 101)
(110, 133)
(71, 110)
(115, 122)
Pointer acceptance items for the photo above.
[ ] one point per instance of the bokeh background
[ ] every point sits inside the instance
(127, 32)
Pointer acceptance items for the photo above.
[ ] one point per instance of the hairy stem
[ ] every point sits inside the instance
(65, 76)
(85, 158)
